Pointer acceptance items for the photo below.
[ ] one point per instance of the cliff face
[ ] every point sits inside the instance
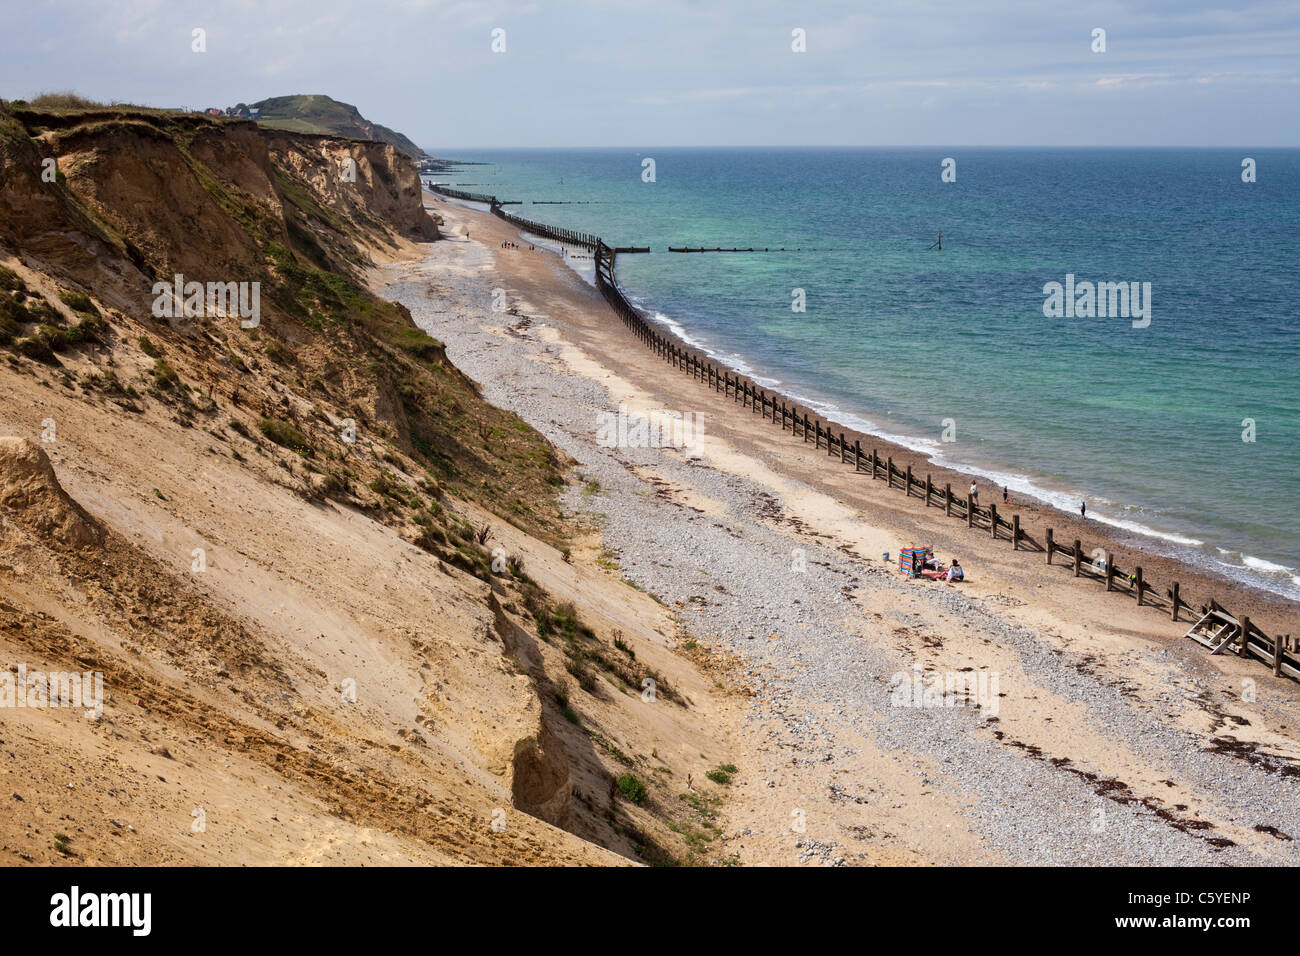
(294, 547)
(211, 199)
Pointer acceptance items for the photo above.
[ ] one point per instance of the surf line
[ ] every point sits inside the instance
(1279, 650)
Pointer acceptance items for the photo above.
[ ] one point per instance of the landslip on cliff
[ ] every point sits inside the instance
(327, 591)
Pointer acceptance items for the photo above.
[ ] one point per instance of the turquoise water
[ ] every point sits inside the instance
(1144, 423)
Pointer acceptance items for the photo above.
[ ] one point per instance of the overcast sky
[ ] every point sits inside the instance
(642, 73)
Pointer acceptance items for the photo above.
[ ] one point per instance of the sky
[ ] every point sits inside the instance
(647, 73)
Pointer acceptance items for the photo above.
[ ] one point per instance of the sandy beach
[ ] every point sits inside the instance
(1098, 735)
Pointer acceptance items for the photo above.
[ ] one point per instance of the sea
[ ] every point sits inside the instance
(1178, 421)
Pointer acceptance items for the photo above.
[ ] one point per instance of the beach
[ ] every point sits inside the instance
(848, 308)
(1103, 736)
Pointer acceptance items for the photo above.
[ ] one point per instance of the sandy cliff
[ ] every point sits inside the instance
(335, 603)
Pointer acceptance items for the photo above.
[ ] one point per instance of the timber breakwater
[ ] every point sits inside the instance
(1211, 622)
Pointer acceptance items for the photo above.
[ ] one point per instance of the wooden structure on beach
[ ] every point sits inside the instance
(567, 236)
(1221, 632)
(1214, 626)
(463, 195)
(720, 249)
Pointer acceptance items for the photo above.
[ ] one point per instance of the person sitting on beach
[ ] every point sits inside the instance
(931, 563)
(955, 573)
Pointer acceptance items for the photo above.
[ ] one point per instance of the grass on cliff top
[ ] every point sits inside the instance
(66, 100)
(70, 102)
(324, 115)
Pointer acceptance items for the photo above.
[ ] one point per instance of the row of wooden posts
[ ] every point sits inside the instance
(1280, 651)
(461, 194)
(568, 236)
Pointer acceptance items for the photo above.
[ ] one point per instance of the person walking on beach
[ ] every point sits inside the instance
(1083, 509)
(1006, 496)
(974, 493)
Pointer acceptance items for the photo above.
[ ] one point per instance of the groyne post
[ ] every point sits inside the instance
(993, 519)
(1015, 532)
(1110, 571)
(1078, 556)
(1174, 608)
(947, 500)
(857, 455)
(1137, 580)
(1245, 635)
(970, 511)
(1049, 545)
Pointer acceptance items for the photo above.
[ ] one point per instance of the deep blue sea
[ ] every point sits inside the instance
(1144, 423)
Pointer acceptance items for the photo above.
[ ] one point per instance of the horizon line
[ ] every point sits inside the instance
(1235, 146)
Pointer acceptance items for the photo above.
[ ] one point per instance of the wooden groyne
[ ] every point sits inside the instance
(721, 249)
(1212, 624)
(463, 195)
